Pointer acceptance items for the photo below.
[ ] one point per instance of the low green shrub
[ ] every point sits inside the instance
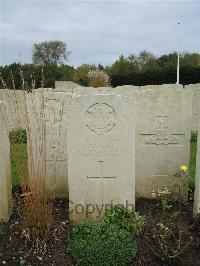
(101, 244)
(125, 219)
(17, 136)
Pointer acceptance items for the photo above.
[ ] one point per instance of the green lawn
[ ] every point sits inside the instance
(19, 162)
(193, 152)
(20, 152)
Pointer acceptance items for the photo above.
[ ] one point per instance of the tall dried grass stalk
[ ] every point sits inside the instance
(37, 195)
(38, 199)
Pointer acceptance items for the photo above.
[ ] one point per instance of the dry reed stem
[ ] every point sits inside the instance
(38, 201)
(38, 197)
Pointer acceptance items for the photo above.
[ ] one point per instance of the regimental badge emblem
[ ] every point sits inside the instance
(100, 118)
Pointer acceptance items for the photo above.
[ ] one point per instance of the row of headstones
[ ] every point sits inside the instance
(105, 128)
(17, 109)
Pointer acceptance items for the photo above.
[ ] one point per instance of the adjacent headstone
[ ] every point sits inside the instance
(13, 108)
(48, 115)
(101, 153)
(163, 130)
(128, 90)
(195, 90)
(66, 86)
(197, 179)
(163, 86)
(41, 90)
(5, 176)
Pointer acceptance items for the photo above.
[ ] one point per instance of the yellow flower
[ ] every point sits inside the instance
(183, 168)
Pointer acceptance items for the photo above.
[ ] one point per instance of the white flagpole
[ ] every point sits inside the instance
(178, 54)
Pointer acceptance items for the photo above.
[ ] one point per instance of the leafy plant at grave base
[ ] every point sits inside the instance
(18, 136)
(166, 240)
(2, 227)
(99, 243)
(163, 195)
(125, 219)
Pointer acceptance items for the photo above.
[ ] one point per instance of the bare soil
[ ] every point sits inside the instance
(17, 249)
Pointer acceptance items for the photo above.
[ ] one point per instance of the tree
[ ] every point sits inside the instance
(123, 71)
(144, 61)
(82, 72)
(168, 61)
(98, 78)
(190, 60)
(50, 52)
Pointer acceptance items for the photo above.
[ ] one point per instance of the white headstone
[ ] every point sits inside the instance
(41, 90)
(13, 108)
(101, 153)
(5, 176)
(66, 86)
(195, 90)
(163, 122)
(197, 178)
(48, 121)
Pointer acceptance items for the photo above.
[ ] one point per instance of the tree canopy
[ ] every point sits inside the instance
(142, 69)
(50, 52)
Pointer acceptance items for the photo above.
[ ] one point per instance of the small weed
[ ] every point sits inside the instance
(166, 241)
(2, 228)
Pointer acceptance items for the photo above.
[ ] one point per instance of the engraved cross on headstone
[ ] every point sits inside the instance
(101, 178)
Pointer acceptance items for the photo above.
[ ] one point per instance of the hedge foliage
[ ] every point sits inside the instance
(18, 136)
(194, 136)
(142, 69)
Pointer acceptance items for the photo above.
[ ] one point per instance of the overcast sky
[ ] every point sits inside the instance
(98, 31)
